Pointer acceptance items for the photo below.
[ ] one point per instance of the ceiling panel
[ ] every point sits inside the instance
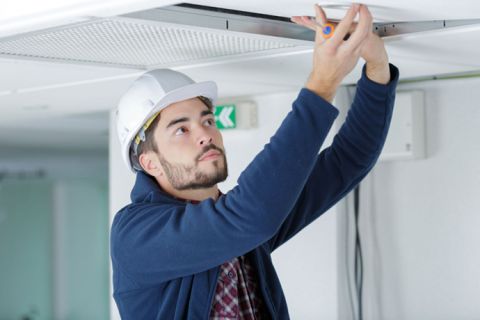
(20, 75)
(460, 46)
(39, 99)
(383, 10)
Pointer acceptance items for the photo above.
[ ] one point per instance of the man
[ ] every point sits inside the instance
(183, 250)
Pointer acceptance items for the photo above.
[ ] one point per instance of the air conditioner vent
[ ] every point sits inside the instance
(136, 43)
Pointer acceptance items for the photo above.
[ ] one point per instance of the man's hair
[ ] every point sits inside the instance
(150, 144)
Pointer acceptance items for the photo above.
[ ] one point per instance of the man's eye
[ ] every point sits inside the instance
(180, 131)
(210, 122)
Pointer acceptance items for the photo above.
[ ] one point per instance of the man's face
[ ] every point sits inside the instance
(191, 151)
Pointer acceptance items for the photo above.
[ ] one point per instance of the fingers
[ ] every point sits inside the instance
(321, 18)
(306, 21)
(344, 26)
(347, 29)
(362, 30)
(320, 14)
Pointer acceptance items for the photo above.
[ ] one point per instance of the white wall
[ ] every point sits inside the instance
(53, 244)
(81, 255)
(25, 249)
(306, 265)
(423, 223)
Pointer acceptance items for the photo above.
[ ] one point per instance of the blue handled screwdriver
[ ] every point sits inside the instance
(327, 29)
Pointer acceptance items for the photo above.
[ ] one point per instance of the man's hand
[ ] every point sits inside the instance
(333, 59)
(374, 53)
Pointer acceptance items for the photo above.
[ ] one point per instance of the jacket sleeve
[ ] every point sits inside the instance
(152, 243)
(354, 151)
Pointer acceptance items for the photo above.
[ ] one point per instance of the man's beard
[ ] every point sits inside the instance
(180, 175)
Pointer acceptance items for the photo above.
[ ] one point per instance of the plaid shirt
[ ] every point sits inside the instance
(236, 294)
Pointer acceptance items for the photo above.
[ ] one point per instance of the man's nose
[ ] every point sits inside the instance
(204, 138)
(204, 141)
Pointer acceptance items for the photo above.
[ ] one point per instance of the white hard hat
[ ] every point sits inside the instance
(149, 94)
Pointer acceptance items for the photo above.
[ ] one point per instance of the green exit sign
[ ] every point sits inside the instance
(226, 116)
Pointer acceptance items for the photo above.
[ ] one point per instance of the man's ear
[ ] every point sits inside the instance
(151, 163)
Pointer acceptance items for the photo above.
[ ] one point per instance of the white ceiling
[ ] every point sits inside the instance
(383, 10)
(65, 105)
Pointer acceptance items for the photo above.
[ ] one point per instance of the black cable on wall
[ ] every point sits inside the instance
(358, 252)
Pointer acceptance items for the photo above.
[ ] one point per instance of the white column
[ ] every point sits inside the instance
(121, 181)
(60, 307)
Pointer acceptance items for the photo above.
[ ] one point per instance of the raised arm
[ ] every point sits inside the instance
(354, 151)
(358, 144)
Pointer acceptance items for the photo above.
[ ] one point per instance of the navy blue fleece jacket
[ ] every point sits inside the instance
(166, 253)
